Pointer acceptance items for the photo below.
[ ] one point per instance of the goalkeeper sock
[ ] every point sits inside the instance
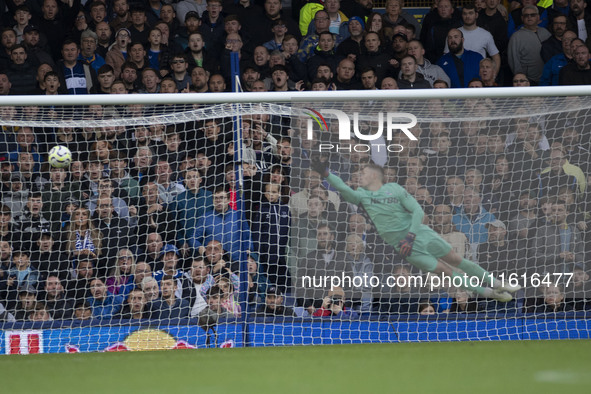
(473, 269)
(486, 292)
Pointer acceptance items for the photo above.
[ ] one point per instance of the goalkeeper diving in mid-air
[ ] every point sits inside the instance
(398, 219)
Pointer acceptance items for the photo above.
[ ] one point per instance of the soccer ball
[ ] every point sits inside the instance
(60, 156)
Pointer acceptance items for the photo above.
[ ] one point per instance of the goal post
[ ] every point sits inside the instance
(140, 244)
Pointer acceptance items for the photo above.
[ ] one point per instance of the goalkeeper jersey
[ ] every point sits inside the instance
(384, 207)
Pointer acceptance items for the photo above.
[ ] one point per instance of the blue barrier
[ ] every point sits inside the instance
(136, 335)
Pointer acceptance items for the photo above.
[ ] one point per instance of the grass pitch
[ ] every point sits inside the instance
(458, 367)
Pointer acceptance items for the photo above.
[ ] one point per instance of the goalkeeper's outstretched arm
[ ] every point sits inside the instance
(321, 167)
(348, 194)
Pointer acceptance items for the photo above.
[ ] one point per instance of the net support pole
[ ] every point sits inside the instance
(237, 125)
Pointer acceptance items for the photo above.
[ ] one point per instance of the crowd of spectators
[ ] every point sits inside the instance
(145, 221)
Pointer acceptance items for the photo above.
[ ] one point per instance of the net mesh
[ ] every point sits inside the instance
(160, 235)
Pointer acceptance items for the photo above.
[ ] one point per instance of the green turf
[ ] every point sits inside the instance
(460, 367)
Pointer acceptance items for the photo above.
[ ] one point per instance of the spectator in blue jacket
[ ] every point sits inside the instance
(270, 235)
(472, 219)
(460, 65)
(103, 303)
(223, 224)
(552, 67)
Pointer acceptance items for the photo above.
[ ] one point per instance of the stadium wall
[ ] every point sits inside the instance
(28, 338)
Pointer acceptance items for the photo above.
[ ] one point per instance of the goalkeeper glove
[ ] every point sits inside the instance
(319, 166)
(405, 246)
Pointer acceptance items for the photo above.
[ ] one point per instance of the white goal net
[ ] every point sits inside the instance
(206, 222)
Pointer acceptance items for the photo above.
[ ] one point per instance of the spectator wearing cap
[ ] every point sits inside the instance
(21, 72)
(399, 48)
(88, 54)
(394, 15)
(352, 45)
(56, 23)
(121, 17)
(35, 47)
(185, 6)
(192, 25)
(169, 259)
(117, 54)
(212, 27)
(274, 304)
